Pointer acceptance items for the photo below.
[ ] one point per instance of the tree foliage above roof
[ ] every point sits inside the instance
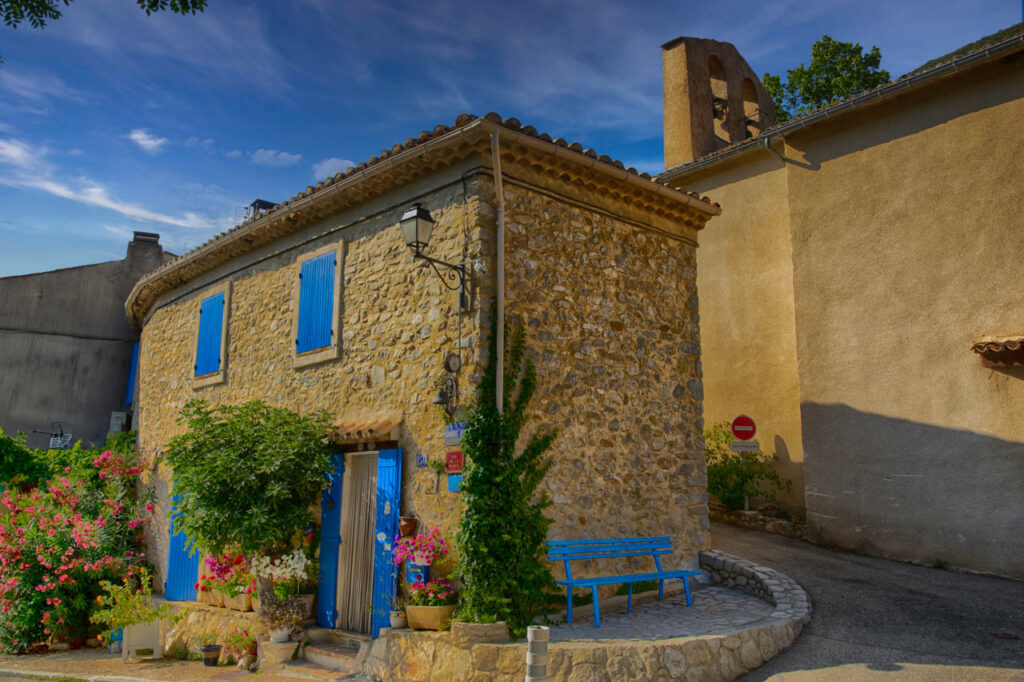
(837, 71)
(994, 39)
(38, 12)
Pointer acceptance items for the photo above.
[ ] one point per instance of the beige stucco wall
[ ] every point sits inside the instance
(748, 331)
(618, 367)
(903, 222)
(905, 227)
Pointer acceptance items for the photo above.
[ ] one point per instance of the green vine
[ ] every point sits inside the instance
(502, 533)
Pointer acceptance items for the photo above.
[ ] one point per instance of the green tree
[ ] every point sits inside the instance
(503, 530)
(735, 475)
(38, 12)
(247, 474)
(837, 71)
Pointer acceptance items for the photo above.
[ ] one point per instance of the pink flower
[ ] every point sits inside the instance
(150, 506)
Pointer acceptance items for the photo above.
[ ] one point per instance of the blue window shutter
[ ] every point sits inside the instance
(330, 540)
(316, 303)
(211, 321)
(130, 393)
(182, 563)
(389, 486)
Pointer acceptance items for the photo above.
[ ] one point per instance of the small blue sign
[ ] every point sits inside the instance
(453, 433)
(454, 483)
(421, 460)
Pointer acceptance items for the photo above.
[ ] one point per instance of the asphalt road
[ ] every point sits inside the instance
(879, 619)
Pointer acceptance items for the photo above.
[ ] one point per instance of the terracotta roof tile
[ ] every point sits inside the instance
(425, 136)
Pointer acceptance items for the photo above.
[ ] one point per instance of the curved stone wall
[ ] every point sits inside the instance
(425, 656)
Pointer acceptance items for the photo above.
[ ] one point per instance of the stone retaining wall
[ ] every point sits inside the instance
(758, 521)
(443, 656)
(204, 619)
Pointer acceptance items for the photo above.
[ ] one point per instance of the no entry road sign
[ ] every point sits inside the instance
(743, 427)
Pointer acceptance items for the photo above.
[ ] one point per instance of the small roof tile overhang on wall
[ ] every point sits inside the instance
(367, 426)
(403, 163)
(1005, 351)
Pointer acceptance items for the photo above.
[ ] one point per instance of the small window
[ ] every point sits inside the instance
(211, 339)
(318, 306)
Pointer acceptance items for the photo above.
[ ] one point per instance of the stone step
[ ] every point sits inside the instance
(337, 658)
(340, 638)
(308, 670)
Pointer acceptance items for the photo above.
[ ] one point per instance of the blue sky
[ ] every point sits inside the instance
(111, 121)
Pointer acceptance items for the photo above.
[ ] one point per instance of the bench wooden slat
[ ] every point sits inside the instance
(634, 578)
(605, 541)
(575, 557)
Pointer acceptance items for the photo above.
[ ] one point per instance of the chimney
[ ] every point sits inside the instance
(712, 98)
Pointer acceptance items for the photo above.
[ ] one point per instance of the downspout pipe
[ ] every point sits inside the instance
(500, 322)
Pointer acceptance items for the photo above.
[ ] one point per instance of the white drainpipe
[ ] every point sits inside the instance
(500, 384)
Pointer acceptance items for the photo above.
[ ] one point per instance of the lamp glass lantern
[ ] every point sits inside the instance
(417, 224)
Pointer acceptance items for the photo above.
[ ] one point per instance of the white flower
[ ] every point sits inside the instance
(288, 567)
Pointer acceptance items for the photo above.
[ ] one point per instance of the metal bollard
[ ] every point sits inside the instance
(537, 637)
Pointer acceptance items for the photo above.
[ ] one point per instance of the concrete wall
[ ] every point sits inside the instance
(618, 373)
(902, 221)
(65, 345)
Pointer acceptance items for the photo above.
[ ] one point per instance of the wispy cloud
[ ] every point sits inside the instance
(25, 166)
(330, 166)
(196, 142)
(273, 157)
(234, 154)
(36, 86)
(149, 142)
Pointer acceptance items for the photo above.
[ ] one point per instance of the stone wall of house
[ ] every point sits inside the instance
(611, 316)
(398, 323)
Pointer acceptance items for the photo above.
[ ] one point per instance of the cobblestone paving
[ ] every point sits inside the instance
(715, 611)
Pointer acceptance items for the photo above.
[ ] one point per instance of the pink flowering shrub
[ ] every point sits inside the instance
(59, 540)
(422, 549)
(434, 593)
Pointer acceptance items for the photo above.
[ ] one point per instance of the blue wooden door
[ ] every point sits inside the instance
(330, 541)
(182, 565)
(389, 484)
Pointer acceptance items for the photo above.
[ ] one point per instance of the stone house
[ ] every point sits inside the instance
(317, 303)
(855, 298)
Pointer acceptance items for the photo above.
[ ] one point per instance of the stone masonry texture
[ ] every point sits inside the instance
(610, 309)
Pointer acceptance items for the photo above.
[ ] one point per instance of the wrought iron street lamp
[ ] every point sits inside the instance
(417, 226)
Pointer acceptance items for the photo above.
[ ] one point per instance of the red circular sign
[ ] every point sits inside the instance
(743, 427)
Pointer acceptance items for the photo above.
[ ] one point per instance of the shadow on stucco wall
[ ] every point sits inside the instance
(902, 489)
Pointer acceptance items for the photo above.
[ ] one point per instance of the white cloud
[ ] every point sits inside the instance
(24, 165)
(35, 86)
(272, 157)
(234, 154)
(148, 142)
(75, 152)
(330, 166)
(196, 142)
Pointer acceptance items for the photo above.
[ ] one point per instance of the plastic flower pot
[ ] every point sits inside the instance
(281, 634)
(407, 525)
(211, 654)
(429, 617)
(142, 641)
(398, 620)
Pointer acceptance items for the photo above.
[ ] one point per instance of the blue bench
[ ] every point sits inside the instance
(579, 550)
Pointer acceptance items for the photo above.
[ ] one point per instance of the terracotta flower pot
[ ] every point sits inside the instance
(429, 617)
(407, 525)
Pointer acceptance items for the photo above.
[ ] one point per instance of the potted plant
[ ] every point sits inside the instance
(289, 572)
(129, 607)
(431, 605)
(207, 592)
(398, 618)
(421, 550)
(279, 616)
(209, 648)
(241, 646)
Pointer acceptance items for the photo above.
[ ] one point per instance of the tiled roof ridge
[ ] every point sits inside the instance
(893, 85)
(425, 136)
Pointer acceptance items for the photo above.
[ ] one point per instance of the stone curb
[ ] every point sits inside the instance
(792, 605)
